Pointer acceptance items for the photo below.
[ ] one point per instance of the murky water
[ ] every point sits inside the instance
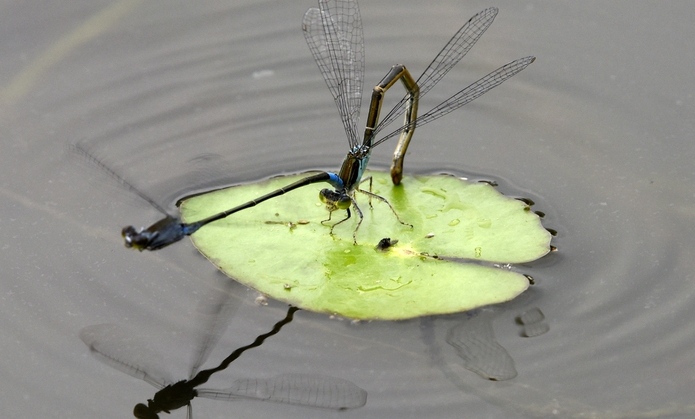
(179, 96)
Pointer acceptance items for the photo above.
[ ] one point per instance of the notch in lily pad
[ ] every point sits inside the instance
(445, 264)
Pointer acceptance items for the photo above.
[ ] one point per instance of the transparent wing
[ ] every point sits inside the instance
(300, 389)
(117, 347)
(214, 313)
(334, 35)
(454, 50)
(457, 48)
(80, 149)
(468, 94)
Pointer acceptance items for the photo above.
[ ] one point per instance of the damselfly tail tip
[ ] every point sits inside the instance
(142, 411)
(396, 177)
(134, 239)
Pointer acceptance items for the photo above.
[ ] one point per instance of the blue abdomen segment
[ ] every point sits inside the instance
(335, 181)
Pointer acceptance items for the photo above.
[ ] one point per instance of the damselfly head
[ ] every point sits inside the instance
(334, 200)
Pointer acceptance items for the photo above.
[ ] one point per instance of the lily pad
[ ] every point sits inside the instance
(443, 264)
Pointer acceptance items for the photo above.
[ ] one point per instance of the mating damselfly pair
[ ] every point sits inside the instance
(333, 32)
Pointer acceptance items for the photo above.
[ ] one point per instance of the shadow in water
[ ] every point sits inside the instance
(116, 347)
(476, 349)
(532, 323)
(475, 344)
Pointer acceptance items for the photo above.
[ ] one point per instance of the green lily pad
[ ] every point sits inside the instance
(282, 249)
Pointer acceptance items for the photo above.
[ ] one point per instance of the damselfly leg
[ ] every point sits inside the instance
(335, 201)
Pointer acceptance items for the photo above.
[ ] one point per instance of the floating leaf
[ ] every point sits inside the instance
(282, 249)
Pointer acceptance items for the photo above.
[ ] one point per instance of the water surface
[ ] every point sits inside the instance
(177, 97)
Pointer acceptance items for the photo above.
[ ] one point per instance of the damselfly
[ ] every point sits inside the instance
(334, 34)
(116, 347)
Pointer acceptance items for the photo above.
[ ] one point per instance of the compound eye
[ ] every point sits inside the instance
(328, 196)
(323, 195)
(344, 202)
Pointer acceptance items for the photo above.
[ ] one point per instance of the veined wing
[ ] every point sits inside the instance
(118, 348)
(214, 312)
(468, 94)
(454, 50)
(300, 389)
(81, 149)
(334, 35)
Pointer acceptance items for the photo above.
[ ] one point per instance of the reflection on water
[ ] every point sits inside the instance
(118, 347)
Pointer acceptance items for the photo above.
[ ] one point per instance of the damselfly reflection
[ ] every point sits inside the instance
(108, 343)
